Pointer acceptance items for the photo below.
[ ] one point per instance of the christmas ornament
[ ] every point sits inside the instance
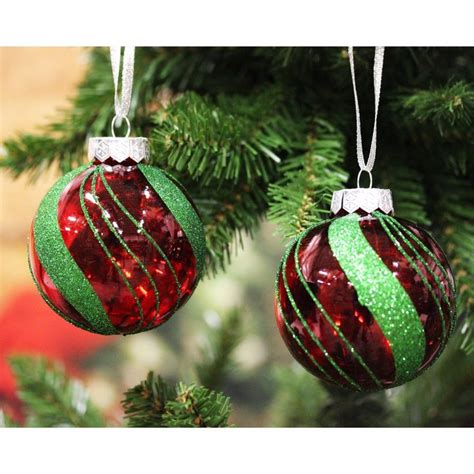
(365, 300)
(116, 246)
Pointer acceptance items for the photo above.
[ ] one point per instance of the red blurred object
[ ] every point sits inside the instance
(29, 326)
(339, 298)
(123, 280)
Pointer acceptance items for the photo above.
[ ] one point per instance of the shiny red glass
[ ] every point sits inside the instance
(330, 285)
(119, 279)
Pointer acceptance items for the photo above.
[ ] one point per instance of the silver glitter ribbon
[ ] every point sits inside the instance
(122, 100)
(378, 66)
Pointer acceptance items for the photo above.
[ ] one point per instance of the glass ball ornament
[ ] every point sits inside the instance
(365, 300)
(116, 246)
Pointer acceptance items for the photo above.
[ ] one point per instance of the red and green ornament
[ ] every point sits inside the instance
(117, 246)
(365, 300)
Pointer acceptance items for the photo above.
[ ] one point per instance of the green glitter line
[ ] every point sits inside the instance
(295, 336)
(52, 306)
(411, 235)
(59, 263)
(310, 332)
(417, 270)
(182, 210)
(380, 291)
(145, 233)
(105, 249)
(126, 247)
(318, 304)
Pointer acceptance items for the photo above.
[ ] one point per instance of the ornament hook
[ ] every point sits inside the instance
(360, 174)
(112, 125)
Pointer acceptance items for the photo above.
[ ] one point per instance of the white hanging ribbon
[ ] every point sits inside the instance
(122, 100)
(378, 66)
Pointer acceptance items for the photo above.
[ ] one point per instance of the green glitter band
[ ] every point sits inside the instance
(403, 230)
(182, 210)
(310, 332)
(379, 290)
(126, 247)
(387, 226)
(104, 247)
(292, 332)
(59, 263)
(142, 229)
(52, 306)
(318, 304)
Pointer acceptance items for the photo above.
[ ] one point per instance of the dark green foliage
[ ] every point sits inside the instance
(197, 407)
(450, 109)
(155, 403)
(455, 206)
(302, 400)
(442, 396)
(50, 397)
(144, 404)
(299, 397)
(232, 139)
(216, 358)
(303, 196)
(352, 409)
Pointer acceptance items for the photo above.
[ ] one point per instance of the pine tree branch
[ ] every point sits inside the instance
(216, 355)
(302, 197)
(50, 397)
(197, 407)
(155, 403)
(450, 109)
(233, 139)
(454, 215)
(408, 189)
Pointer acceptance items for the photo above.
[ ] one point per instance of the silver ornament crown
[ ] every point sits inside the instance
(367, 199)
(119, 149)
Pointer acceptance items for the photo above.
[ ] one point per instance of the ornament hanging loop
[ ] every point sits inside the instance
(116, 122)
(378, 66)
(123, 99)
(359, 176)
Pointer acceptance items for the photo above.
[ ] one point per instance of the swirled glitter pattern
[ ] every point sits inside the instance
(381, 293)
(109, 255)
(364, 301)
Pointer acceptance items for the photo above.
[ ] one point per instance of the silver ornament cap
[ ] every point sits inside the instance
(118, 149)
(365, 199)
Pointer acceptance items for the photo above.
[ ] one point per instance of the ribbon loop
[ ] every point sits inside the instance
(122, 100)
(378, 66)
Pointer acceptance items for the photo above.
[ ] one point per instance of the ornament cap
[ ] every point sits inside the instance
(118, 149)
(347, 201)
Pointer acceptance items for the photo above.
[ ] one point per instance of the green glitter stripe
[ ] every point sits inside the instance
(141, 229)
(437, 263)
(414, 266)
(52, 306)
(105, 249)
(181, 208)
(310, 332)
(294, 335)
(318, 304)
(59, 263)
(125, 246)
(379, 290)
